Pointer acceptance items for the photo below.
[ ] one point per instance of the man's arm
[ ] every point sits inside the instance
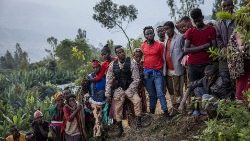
(189, 48)
(191, 87)
(70, 116)
(183, 101)
(109, 80)
(135, 77)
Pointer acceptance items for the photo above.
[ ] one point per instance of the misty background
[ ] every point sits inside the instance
(31, 22)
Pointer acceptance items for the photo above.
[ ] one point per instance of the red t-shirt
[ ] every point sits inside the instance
(153, 55)
(200, 37)
(168, 56)
(103, 70)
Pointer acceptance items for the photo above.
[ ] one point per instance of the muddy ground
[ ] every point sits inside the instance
(180, 128)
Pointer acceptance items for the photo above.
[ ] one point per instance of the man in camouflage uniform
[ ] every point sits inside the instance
(123, 79)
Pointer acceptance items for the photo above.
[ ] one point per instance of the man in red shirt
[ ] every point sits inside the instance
(198, 40)
(153, 76)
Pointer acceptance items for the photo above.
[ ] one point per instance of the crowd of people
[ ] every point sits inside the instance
(117, 85)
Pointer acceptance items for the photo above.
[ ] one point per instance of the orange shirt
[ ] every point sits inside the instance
(168, 56)
(153, 55)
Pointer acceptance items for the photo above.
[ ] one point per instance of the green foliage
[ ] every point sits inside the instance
(23, 92)
(66, 58)
(78, 54)
(83, 72)
(242, 20)
(18, 61)
(242, 17)
(81, 34)
(53, 43)
(111, 15)
(7, 61)
(111, 46)
(22, 115)
(232, 123)
(217, 53)
(185, 7)
(136, 43)
(38, 76)
(222, 15)
(217, 6)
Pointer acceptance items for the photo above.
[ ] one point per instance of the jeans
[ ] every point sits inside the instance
(154, 83)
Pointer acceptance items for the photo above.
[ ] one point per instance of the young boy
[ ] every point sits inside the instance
(97, 97)
(141, 91)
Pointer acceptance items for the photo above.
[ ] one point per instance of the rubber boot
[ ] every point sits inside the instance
(120, 129)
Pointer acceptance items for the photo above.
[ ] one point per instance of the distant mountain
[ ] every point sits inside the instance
(32, 42)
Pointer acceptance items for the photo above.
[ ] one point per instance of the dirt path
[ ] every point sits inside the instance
(181, 127)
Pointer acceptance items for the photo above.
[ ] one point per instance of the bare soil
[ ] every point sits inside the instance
(179, 128)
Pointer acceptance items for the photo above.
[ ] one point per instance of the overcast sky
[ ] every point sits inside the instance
(62, 18)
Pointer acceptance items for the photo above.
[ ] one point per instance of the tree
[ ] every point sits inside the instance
(24, 63)
(65, 52)
(185, 7)
(17, 54)
(111, 46)
(3, 62)
(53, 43)
(9, 60)
(20, 58)
(111, 15)
(136, 43)
(81, 34)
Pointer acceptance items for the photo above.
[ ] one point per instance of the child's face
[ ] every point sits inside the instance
(138, 56)
(105, 55)
(72, 102)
